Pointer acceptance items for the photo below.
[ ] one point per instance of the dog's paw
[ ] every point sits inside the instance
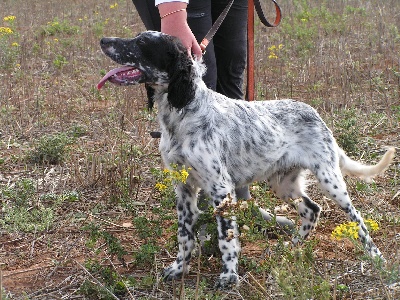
(172, 273)
(225, 282)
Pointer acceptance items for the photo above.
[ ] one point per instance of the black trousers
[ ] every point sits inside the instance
(225, 56)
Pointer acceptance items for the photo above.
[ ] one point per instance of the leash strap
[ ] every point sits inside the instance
(250, 52)
(210, 34)
(263, 19)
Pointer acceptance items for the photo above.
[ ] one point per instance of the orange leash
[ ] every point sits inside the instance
(250, 52)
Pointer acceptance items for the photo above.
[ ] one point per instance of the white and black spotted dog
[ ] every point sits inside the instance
(230, 143)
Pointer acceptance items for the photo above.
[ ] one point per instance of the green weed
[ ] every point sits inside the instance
(111, 283)
(55, 27)
(9, 44)
(347, 131)
(294, 273)
(145, 256)
(22, 210)
(96, 234)
(50, 149)
(60, 61)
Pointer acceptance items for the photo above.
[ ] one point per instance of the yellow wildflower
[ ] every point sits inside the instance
(184, 175)
(161, 187)
(5, 30)
(372, 224)
(347, 230)
(15, 44)
(350, 229)
(115, 5)
(272, 56)
(273, 50)
(9, 18)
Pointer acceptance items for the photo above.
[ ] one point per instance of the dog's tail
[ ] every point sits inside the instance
(356, 169)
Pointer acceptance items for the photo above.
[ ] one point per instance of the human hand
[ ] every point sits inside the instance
(176, 25)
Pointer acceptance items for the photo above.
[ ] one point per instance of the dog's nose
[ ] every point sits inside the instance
(108, 41)
(105, 41)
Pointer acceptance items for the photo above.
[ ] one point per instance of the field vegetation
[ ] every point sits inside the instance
(86, 208)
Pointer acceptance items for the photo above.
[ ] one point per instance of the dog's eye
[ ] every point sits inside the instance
(141, 41)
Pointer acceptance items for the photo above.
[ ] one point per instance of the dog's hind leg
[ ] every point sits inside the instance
(309, 212)
(187, 217)
(332, 183)
(292, 185)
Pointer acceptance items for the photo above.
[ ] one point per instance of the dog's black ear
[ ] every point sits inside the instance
(150, 97)
(181, 89)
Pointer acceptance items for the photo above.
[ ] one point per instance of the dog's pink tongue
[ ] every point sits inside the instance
(111, 73)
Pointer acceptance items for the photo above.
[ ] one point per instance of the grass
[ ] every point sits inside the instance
(86, 210)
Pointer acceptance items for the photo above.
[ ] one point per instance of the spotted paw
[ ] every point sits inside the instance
(227, 282)
(172, 273)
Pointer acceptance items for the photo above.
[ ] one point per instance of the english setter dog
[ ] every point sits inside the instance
(230, 143)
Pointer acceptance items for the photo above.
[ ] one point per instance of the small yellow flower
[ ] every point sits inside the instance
(5, 30)
(161, 187)
(9, 18)
(15, 44)
(56, 40)
(273, 50)
(184, 175)
(115, 5)
(272, 56)
(372, 224)
(350, 229)
(346, 230)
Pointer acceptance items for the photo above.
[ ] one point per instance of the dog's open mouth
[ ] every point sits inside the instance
(125, 75)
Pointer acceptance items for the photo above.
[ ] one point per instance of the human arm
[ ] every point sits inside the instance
(176, 24)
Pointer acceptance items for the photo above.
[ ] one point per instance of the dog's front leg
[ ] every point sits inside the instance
(187, 217)
(228, 241)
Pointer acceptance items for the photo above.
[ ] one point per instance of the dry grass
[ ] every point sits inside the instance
(342, 57)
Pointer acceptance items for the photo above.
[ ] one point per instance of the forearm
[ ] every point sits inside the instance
(174, 22)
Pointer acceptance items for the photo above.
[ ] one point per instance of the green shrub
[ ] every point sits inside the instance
(50, 149)
(22, 211)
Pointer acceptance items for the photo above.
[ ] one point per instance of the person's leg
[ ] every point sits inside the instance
(200, 21)
(230, 44)
(148, 12)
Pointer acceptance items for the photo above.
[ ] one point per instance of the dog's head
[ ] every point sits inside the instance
(154, 58)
